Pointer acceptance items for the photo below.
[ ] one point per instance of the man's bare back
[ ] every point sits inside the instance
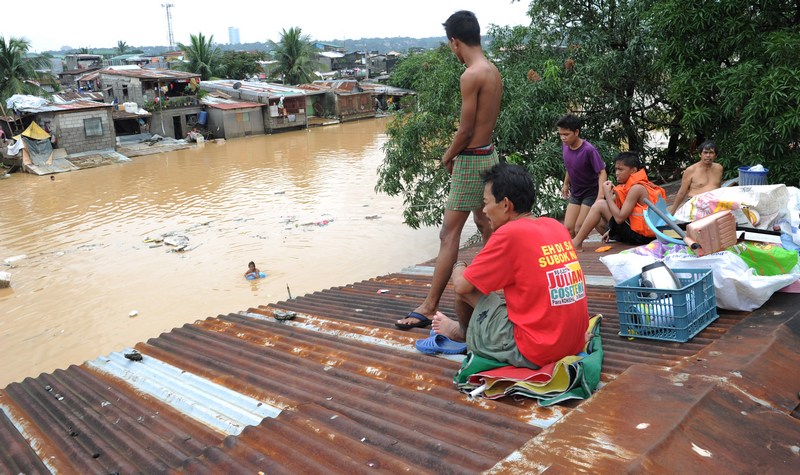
(490, 91)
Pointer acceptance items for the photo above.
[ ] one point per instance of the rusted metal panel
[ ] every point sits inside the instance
(78, 421)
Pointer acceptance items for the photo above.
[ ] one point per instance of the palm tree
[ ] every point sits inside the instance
(202, 56)
(19, 72)
(122, 47)
(293, 53)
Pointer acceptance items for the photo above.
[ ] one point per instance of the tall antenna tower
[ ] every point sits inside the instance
(168, 6)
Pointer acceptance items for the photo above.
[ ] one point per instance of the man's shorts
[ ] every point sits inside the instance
(623, 233)
(466, 186)
(587, 200)
(491, 335)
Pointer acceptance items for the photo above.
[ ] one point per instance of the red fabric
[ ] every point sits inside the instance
(636, 219)
(534, 263)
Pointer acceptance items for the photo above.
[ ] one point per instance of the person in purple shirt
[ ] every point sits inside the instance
(586, 171)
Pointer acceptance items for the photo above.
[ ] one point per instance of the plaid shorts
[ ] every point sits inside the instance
(466, 186)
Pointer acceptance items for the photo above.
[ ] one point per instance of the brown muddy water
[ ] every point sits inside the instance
(300, 204)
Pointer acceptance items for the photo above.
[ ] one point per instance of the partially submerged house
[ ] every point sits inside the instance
(343, 99)
(230, 119)
(76, 126)
(388, 97)
(286, 107)
(170, 96)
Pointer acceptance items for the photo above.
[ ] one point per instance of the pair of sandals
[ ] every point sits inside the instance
(435, 343)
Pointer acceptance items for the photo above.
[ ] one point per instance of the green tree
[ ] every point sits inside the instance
(122, 47)
(419, 136)
(293, 53)
(590, 58)
(735, 74)
(83, 50)
(20, 73)
(241, 64)
(202, 55)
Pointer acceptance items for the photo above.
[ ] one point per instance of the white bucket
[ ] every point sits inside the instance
(130, 107)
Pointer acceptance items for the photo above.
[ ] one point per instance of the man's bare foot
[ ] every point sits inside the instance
(421, 311)
(444, 325)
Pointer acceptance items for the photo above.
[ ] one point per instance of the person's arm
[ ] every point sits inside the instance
(470, 87)
(636, 193)
(461, 285)
(602, 177)
(565, 188)
(686, 180)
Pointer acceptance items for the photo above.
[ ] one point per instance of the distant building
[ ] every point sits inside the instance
(233, 36)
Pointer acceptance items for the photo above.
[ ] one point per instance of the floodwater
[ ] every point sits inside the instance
(300, 204)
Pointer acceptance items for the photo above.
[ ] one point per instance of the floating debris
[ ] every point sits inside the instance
(14, 259)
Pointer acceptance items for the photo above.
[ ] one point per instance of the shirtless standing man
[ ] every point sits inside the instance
(705, 175)
(470, 153)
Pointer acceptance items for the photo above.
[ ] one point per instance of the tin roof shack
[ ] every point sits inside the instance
(388, 97)
(230, 119)
(286, 106)
(170, 96)
(344, 99)
(77, 126)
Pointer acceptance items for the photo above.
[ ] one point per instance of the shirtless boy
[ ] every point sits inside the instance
(470, 153)
(705, 175)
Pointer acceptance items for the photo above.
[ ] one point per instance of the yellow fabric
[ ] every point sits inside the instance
(33, 132)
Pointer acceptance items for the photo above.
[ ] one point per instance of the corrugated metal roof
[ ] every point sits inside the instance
(340, 390)
(143, 73)
(253, 89)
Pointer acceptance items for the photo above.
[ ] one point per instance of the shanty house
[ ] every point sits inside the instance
(343, 99)
(76, 126)
(170, 96)
(285, 106)
(230, 119)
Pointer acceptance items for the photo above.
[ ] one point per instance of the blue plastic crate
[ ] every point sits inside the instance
(667, 314)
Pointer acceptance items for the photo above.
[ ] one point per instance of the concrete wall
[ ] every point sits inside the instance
(185, 115)
(68, 127)
(118, 84)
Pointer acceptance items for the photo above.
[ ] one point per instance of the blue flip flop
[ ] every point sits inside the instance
(437, 343)
(422, 323)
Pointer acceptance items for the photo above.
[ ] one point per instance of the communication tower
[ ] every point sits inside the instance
(168, 6)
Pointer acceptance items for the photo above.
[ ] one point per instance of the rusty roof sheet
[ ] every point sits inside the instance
(146, 73)
(340, 390)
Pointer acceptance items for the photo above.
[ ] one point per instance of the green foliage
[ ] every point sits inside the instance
(293, 53)
(419, 136)
(735, 74)
(122, 47)
(202, 56)
(240, 64)
(19, 72)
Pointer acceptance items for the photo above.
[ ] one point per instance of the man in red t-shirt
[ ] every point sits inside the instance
(543, 314)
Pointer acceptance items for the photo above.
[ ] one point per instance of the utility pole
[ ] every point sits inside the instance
(168, 6)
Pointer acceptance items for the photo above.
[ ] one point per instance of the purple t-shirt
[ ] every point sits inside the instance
(583, 166)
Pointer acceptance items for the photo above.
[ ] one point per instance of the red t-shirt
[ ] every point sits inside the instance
(533, 261)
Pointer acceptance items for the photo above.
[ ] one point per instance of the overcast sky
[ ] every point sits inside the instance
(50, 24)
